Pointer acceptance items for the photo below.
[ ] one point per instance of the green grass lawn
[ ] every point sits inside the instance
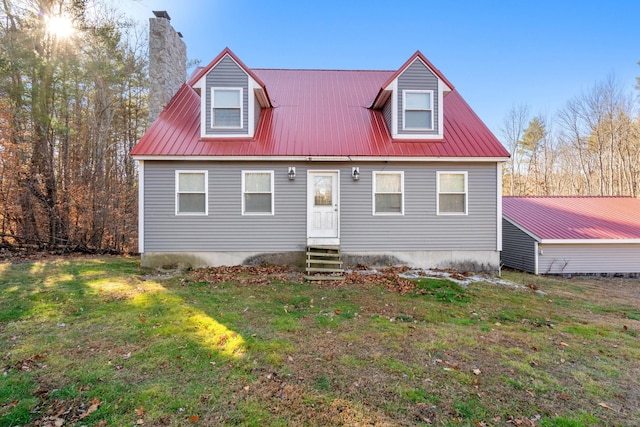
(100, 341)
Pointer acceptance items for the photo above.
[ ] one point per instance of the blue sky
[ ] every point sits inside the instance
(496, 53)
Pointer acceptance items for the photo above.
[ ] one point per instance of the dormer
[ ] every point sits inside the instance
(232, 97)
(411, 101)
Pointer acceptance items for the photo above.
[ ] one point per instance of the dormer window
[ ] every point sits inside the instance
(417, 111)
(226, 108)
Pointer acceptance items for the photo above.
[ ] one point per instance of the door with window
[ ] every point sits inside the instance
(323, 215)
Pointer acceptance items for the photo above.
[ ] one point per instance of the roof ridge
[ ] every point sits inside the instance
(320, 69)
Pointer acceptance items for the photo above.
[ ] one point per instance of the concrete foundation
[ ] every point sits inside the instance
(472, 261)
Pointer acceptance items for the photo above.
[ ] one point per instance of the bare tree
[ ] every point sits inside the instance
(77, 105)
(512, 130)
(597, 124)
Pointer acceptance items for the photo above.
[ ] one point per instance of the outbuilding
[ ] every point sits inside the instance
(571, 235)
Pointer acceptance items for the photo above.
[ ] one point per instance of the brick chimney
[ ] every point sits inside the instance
(167, 62)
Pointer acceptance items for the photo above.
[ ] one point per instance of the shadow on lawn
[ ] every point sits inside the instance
(93, 329)
(64, 290)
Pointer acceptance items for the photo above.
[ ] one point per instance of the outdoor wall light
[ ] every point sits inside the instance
(355, 173)
(292, 173)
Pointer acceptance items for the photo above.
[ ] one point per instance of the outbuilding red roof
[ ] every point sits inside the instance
(575, 218)
(317, 113)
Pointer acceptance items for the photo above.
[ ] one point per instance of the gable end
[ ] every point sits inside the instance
(225, 74)
(417, 77)
(411, 101)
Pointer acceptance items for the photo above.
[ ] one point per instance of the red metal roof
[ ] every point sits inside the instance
(316, 113)
(575, 218)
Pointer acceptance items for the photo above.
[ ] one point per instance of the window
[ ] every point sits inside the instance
(191, 193)
(257, 192)
(388, 189)
(452, 193)
(417, 111)
(226, 108)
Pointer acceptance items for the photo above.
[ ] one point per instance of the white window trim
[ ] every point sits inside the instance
(373, 193)
(140, 206)
(273, 198)
(404, 109)
(206, 193)
(213, 107)
(466, 193)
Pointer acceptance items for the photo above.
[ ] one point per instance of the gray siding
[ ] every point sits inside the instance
(418, 77)
(225, 229)
(387, 113)
(518, 248)
(420, 228)
(227, 74)
(256, 111)
(589, 258)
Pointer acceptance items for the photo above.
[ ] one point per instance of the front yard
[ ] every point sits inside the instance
(100, 341)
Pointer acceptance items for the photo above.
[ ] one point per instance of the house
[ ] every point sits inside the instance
(392, 166)
(571, 235)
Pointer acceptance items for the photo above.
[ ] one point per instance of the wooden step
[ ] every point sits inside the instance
(324, 261)
(318, 278)
(324, 270)
(325, 247)
(325, 254)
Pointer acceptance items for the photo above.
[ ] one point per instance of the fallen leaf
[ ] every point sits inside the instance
(10, 404)
(95, 404)
(563, 344)
(140, 422)
(140, 411)
(477, 371)
(194, 418)
(604, 405)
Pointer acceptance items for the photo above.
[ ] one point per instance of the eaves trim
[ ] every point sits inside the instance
(326, 158)
(588, 241)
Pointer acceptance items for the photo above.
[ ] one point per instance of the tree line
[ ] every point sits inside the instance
(591, 147)
(73, 103)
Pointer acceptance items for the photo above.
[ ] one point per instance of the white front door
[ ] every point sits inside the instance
(323, 216)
